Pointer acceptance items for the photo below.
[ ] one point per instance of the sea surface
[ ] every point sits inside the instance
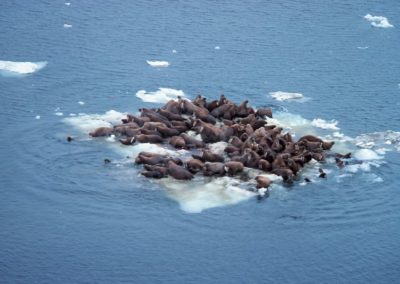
(324, 67)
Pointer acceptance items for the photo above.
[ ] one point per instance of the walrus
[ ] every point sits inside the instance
(236, 142)
(102, 131)
(208, 132)
(143, 138)
(178, 172)
(322, 174)
(153, 174)
(154, 116)
(194, 165)
(155, 171)
(208, 156)
(285, 173)
(341, 156)
(232, 168)
(211, 169)
(172, 106)
(150, 158)
(128, 141)
(192, 142)
(211, 105)
(262, 112)
(263, 182)
(264, 165)
(167, 132)
(177, 142)
(170, 115)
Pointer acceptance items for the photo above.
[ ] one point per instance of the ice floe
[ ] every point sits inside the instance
(378, 21)
(158, 64)
(163, 95)
(285, 96)
(20, 68)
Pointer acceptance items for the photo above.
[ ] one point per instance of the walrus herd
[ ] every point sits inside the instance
(251, 141)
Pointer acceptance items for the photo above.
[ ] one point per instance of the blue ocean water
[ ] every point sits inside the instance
(66, 217)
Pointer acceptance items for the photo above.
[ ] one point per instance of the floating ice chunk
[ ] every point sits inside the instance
(67, 3)
(67, 26)
(366, 154)
(81, 103)
(59, 113)
(199, 194)
(217, 47)
(378, 21)
(20, 68)
(174, 51)
(37, 117)
(163, 95)
(320, 123)
(285, 96)
(87, 123)
(158, 64)
(362, 47)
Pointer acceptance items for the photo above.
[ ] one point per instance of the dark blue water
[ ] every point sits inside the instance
(67, 218)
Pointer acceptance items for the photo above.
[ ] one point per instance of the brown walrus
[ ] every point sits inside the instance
(143, 138)
(194, 165)
(211, 169)
(178, 172)
(102, 131)
(263, 182)
(177, 142)
(232, 168)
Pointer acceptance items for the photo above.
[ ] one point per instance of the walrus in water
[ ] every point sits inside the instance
(178, 172)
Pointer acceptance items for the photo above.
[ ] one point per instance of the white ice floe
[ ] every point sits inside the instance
(87, 123)
(366, 154)
(67, 3)
(174, 51)
(81, 103)
(362, 47)
(67, 26)
(285, 96)
(20, 68)
(201, 194)
(378, 21)
(163, 95)
(321, 123)
(217, 47)
(158, 64)
(37, 117)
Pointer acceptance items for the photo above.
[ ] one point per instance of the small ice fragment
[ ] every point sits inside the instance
(67, 26)
(37, 117)
(81, 103)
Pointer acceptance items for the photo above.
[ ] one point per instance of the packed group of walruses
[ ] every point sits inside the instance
(251, 141)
